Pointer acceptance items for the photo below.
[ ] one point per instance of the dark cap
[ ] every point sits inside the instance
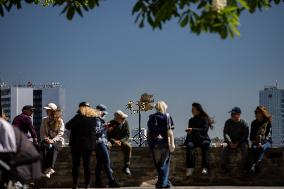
(28, 107)
(236, 110)
(84, 104)
(102, 108)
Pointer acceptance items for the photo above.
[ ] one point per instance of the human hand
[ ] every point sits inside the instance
(188, 130)
(117, 143)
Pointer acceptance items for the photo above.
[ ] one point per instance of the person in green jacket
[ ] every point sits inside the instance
(118, 135)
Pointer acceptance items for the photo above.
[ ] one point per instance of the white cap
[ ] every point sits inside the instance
(120, 113)
(51, 106)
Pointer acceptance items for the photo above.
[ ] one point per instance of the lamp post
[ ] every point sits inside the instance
(144, 104)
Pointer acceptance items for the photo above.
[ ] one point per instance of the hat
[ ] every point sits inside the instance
(236, 110)
(50, 106)
(84, 104)
(120, 113)
(102, 108)
(28, 107)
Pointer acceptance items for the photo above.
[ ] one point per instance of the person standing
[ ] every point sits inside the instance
(260, 136)
(161, 142)
(82, 141)
(118, 135)
(235, 133)
(102, 152)
(197, 136)
(24, 123)
(51, 134)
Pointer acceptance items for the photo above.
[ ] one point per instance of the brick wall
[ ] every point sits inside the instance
(144, 174)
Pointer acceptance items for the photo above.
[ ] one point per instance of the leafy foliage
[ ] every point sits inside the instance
(198, 16)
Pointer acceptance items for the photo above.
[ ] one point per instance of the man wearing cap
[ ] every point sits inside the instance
(24, 122)
(118, 135)
(236, 133)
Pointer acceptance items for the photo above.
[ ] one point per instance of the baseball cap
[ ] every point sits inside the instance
(50, 106)
(102, 108)
(84, 104)
(28, 107)
(236, 110)
(120, 113)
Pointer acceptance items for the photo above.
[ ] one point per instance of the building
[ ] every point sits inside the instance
(135, 140)
(13, 98)
(273, 99)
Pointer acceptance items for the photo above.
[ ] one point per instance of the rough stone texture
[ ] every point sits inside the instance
(144, 174)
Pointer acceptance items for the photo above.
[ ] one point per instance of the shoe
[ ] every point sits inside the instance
(88, 187)
(189, 171)
(252, 169)
(100, 186)
(204, 171)
(47, 175)
(51, 171)
(127, 171)
(114, 184)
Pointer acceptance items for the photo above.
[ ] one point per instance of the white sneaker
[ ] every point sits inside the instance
(204, 171)
(52, 171)
(189, 171)
(47, 175)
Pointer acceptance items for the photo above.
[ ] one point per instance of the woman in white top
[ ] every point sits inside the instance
(51, 133)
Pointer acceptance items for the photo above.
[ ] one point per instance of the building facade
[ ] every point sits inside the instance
(13, 98)
(273, 99)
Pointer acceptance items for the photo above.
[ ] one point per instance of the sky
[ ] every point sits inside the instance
(106, 58)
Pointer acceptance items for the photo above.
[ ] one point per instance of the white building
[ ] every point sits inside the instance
(135, 137)
(273, 99)
(13, 99)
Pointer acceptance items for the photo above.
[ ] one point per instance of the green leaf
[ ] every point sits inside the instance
(92, 4)
(244, 4)
(64, 10)
(184, 22)
(136, 7)
(1, 11)
(70, 13)
(78, 10)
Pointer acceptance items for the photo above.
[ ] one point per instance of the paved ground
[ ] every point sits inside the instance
(211, 187)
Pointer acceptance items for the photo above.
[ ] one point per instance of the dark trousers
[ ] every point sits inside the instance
(76, 158)
(103, 161)
(161, 157)
(226, 151)
(49, 155)
(190, 155)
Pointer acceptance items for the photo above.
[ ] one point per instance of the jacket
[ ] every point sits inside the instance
(117, 131)
(236, 131)
(24, 123)
(260, 132)
(83, 131)
(200, 127)
(47, 133)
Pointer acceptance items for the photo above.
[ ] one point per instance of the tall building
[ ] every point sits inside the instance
(273, 99)
(13, 98)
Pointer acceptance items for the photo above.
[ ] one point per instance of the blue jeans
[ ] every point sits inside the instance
(103, 161)
(258, 153)
(161, 157)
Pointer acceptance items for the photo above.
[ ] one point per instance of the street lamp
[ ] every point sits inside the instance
(144, 104)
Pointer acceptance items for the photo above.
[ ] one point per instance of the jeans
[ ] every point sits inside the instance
(190, 156)
(103, 160)
(258, 153)
(49, 155)
(226, 151)
(126, 149)
(161, 157)
(76, 158)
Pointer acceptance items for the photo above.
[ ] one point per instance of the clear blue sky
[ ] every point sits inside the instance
(105, 58)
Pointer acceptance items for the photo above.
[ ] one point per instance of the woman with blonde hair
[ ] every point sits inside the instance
(260, 136)
(161, 142)
(51, 133)
(82, 141)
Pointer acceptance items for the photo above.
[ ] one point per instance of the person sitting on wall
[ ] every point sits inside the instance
(118, 135)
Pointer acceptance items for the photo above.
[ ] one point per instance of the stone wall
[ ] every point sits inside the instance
(144, 174)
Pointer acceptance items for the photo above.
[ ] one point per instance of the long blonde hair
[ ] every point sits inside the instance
(88, 111)
(56, 119)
